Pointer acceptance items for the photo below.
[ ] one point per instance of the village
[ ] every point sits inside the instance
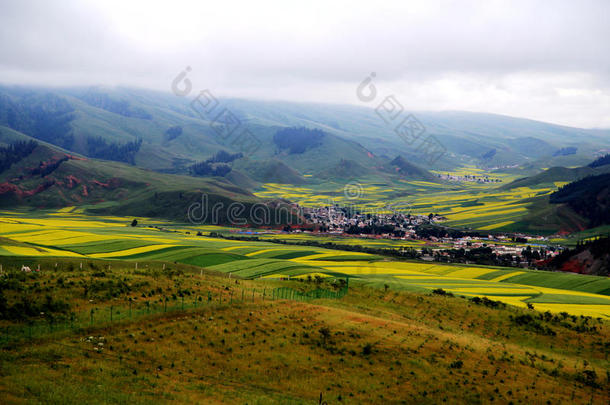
(469, 178)
(341, 221)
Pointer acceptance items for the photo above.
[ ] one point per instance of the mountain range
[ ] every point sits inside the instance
(164, 132)
(124, 149)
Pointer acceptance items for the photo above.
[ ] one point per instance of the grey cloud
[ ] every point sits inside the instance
(70, 42)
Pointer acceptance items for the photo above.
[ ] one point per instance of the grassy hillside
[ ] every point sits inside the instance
(51, 178)
(71, 118)
(269, 171)
(557, 175)
(579, 203)
(242, 344)
(407, 169)
(589, 197)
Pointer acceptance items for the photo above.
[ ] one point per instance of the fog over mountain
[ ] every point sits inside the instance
(541, 60)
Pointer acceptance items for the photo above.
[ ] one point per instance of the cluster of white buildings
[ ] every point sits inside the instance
(335, 219)
(469, 178)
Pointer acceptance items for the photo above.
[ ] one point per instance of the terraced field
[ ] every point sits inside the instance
(75, 235)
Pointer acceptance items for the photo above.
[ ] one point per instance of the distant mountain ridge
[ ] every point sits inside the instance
(173, 136)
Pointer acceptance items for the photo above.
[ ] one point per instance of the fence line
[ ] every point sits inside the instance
(135, 310)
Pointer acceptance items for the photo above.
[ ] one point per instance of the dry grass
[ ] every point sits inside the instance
(373, 346)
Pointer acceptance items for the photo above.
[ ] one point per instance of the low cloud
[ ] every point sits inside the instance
(538, 59)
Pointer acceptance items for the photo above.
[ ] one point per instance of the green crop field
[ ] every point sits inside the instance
(72, 234)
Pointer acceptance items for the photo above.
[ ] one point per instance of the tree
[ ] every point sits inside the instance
(367, 349)
(134, 222)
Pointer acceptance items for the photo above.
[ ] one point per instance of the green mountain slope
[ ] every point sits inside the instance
(346, 169)
(404, 168)
(51, 178)
(269, 171)
(589, 197)
(581, 204)
(557, 174)
(97, 121)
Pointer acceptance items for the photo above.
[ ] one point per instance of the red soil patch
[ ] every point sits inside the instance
(6, 188)
(112, 183)
(72, 181)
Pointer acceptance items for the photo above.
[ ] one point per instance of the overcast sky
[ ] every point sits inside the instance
(546, 60)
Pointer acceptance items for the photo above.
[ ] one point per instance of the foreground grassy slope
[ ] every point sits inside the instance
(371, 346)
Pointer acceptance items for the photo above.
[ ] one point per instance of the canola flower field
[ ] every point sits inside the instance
(72, 234)
(475, 205)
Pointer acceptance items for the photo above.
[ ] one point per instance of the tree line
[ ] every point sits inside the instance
(298, 140)
(14, 152)
(217, 165)
(99, 148)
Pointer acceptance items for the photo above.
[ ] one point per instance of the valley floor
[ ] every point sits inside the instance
(73, 234)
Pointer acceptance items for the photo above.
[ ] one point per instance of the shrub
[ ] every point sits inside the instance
(588, 377)
(532, 324)
(487, 302)
(367, 349)
(440, 291)
(456, 364)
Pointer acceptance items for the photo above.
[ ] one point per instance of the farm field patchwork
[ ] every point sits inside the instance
(113, 239)
(465, 204)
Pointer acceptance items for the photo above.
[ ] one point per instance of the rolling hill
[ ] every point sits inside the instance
(47, 177)
(160, 131)
(580, 203)
(589, 197)
(558, 174)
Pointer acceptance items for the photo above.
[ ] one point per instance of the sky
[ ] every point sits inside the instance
(544, 60)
